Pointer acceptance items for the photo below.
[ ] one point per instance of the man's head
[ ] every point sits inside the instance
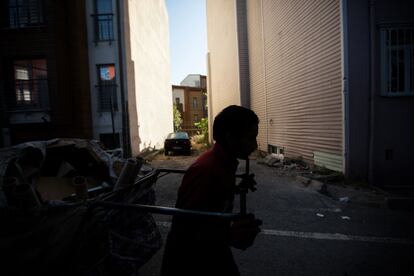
(235, 128)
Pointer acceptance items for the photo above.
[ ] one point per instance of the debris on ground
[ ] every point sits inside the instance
(320, 215)
(344, 199)
(47, 190)
(287, 165)
(271, 159)
(290, 166)
(303, 180)
(345, 218)
(325, 181)
(148, 153)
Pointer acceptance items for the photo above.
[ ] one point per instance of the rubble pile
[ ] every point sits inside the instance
(48, 225)
(286, 164)
(310, 176)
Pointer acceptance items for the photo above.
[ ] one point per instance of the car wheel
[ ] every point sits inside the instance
(166, 152)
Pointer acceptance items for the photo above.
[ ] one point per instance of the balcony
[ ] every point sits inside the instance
(25, 101)
(27, 95)
(25, 14)
(107, 97)
(103, 24)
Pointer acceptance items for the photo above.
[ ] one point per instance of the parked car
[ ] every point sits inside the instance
(177, 142)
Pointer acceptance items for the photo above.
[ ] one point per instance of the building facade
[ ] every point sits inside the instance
(331, 81)
(44, 78)
(190, 97)
(89, 69)
(107, 108)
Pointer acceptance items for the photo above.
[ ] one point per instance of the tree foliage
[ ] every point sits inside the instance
(178, 121)
(202, 127)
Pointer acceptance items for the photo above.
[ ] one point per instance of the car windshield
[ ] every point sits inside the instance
(178, 135)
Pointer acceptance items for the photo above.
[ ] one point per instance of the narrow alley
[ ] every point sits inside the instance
(305, 232)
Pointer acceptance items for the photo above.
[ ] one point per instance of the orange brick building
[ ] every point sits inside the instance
(191, 100)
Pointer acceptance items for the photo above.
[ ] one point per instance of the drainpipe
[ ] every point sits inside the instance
(112, 118)
(372, 93)
(210, 101)
(126, 147)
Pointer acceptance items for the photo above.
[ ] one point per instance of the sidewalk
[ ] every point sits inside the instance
(333, 185)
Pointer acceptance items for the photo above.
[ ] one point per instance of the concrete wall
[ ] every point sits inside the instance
(358, 44)
(103, 52)
(149, 46)
(222, 41)
(385, 123)
(393, 127)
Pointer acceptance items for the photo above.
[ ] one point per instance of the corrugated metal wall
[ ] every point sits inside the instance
(301, 85)
(257, 74)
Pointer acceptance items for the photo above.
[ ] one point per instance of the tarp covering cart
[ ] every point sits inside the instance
(67, 207)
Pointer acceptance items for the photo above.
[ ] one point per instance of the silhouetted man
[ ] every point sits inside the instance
(201, 246)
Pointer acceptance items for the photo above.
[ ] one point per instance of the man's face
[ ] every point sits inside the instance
(243, 144)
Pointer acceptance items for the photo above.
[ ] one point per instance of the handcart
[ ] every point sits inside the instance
(108, 230)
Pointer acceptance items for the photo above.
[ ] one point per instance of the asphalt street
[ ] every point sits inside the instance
(305, 232)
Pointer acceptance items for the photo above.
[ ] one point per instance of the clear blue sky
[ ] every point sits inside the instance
(188, 38)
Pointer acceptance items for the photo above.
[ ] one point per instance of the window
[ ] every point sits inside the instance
(397, 61)
(25, 13)
(179, 105)
(195, 103)
(30, 84)
(275, 149)
(178, 135)
(195, 118)
(203, 82)
(107, 88)
(103, 20)
(204, 99)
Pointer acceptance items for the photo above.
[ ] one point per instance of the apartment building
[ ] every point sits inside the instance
(44, 80)
(331, 81)
(90, 69)
(191, 100)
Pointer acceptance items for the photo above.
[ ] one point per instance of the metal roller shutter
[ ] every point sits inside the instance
(257, 74)
(301, 88)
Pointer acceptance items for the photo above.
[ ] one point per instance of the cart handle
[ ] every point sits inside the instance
(162, 210)
(167, 171)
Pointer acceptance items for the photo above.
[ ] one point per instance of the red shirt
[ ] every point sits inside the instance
(209, 183)
(200, 245)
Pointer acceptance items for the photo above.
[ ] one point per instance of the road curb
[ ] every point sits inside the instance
(348, 194)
